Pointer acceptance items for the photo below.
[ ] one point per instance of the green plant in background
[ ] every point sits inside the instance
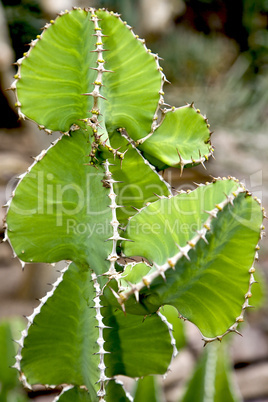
(212, 378)
(10, 387)
(95, 198)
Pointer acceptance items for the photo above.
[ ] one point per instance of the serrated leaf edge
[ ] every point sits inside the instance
(123, 295)
(17, 76)
(113, 256)
(132, 143)
(184, 162)
(103, 379)
(64, 389)
(157, 59)
(30, 320)
(128, 395)
(38, 158)
(172, 339)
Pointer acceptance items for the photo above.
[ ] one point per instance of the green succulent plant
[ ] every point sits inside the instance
(96, 199)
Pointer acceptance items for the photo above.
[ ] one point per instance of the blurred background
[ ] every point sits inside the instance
(215, 53)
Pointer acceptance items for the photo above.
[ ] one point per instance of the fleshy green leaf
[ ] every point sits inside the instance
(158, 229)
(132, 92)
(60, 208)
(137, 181)
(208, 289)
(74, 394)
(148, 389)
(133, 273)
(61, 344)
(68, 57)
(212, 379)
(10, 388)
(116, 392)
(181, 139)
(8, 376)
(138, 347)
(56, 73)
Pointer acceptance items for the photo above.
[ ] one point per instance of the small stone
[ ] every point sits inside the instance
(253, 381)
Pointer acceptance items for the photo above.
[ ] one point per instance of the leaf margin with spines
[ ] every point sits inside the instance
(123, 296)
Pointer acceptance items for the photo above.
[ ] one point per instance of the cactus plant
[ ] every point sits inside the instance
(96, 199)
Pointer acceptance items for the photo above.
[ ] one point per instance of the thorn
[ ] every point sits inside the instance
(202, 163)
(162, 273)
(136, 209)
(103, 70)
(171, 264)
(116, 295)
(202, 235)
(146, 282)
(183, 251)
(16, 366)
(95, 95)
(18, 342)
(136, 294)
(181, 317)
(181, 162)
(229, 199)
(237, 332)
(124, 309)
(191, 244)
(212, 213)
(166, 80)
(240, 319)
(161, 196)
